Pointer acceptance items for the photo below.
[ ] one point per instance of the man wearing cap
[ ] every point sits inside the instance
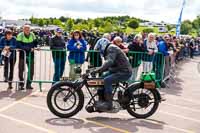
(119, 42)
(26, 41)
(58, 46)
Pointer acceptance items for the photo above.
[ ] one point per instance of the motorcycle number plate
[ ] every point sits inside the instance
(95, 82)
(149, 85)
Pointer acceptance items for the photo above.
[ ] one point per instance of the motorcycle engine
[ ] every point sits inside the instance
(116, 107)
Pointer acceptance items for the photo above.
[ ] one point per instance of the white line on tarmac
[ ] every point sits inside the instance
(183, 99)
(15, 102)
(90, 121)
(179, 116)
(107, 126)
(190, 100)
(34, 106)
(169, 126)
(178, 106)
(20, 121)
(27, 124)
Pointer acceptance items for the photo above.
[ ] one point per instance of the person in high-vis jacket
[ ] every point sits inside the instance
(26, 41)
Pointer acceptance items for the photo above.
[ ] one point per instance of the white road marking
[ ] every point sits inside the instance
(90, 121)
(182, 107)
(169, 126)
(180, 116)
(27, 123)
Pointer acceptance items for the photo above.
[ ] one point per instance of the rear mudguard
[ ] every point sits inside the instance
(137, 85)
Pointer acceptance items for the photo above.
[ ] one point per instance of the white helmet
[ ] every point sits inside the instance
(101, 45)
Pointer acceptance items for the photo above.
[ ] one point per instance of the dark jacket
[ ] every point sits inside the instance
(115, 60)
(136, 47)
(1, 35)
(11, 43)
(58, 46)
(76, 55)
(135, 58)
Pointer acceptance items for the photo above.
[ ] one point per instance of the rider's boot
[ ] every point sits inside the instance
(100, 94)
(105, 105)
(101, 98)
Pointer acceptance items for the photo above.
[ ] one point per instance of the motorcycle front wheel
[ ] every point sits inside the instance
(64, 101)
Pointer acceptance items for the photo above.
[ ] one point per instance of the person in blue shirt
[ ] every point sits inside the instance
(9, 43)
(77, 47)
(164, 46)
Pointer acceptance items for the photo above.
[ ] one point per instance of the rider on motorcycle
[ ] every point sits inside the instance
(119, 68)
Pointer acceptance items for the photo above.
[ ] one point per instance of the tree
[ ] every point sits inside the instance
(186, 27)
(34, 20)
(69, 24)
(48, 22)
(41, 22)
(57, 22)
(169, 27)
(148, 30)
(63, 19)
(81, 27)
(108, 27)
(134, 24)
(196, 25)
(97, 22)
(78, 21)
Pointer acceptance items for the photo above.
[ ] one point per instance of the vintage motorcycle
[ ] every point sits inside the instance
(66, 98)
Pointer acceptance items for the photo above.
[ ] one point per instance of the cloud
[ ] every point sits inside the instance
(155, 10)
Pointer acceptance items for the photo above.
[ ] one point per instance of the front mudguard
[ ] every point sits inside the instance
(74, 85)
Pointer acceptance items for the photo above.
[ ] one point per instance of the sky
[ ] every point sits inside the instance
(153, 10)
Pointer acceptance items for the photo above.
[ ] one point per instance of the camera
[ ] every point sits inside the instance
(78, 70)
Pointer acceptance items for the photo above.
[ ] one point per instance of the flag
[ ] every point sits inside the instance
(178, 26)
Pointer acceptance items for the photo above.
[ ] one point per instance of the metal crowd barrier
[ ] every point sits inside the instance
(10, 66)
(44, 64)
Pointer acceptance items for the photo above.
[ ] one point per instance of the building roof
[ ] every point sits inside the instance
(14, 22)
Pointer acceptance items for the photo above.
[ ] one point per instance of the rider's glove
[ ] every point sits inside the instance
(95, 71)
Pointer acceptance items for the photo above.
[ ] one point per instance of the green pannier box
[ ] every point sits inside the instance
(148, 77)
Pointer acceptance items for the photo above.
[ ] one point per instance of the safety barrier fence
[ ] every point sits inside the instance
(13, 66)
(50, 65)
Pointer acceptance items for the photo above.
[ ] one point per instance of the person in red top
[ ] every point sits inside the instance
(118, 41)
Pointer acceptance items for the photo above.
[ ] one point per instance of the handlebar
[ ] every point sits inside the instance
(89, 72)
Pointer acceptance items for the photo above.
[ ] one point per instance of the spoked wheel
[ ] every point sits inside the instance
(144, 103)
(64, 101)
